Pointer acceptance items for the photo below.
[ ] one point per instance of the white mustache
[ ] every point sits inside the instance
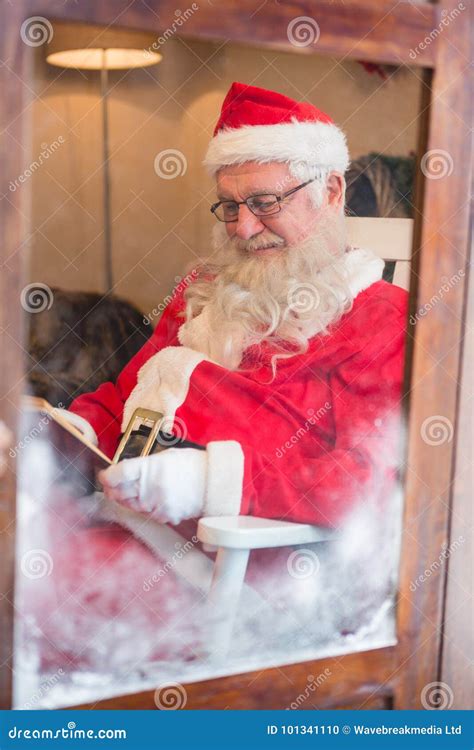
(258, 243)
(246, 298)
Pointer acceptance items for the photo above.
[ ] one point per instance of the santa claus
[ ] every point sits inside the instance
(282, 359)
(277, 366)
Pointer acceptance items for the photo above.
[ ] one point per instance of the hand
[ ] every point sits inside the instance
(170, 485)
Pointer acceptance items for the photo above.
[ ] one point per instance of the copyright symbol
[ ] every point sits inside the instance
(346, 729)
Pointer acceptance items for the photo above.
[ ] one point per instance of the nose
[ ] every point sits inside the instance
(247, 224)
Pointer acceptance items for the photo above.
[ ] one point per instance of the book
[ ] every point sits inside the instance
(78, 460)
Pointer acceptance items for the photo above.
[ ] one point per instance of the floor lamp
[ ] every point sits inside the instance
(89, 47)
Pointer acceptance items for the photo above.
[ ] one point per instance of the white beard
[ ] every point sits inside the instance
(286, 298)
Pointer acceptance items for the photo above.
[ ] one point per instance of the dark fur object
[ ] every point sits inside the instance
(83, 340)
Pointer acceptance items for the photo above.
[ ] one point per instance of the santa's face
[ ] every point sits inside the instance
(250, 287)
(297, 219)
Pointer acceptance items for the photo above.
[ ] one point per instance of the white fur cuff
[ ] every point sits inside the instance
(225, 474)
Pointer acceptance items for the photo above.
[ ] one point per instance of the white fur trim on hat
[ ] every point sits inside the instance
(225, 476)
(317, 143)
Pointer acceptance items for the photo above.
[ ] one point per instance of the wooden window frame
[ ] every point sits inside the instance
(382, 31)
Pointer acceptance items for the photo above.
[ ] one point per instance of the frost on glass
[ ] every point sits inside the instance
(99, 613)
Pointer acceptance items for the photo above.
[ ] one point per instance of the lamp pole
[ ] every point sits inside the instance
(108, 266)
(85, 46)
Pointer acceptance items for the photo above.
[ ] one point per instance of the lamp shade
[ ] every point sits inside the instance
(91, 47)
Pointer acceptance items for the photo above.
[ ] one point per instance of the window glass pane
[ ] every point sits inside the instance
(281, 353)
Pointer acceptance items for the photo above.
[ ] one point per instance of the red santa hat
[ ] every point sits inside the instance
(260, 125)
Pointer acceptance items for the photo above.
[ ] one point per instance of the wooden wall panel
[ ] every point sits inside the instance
(382, 32)
(457, 667)
(13, 146)
(376, 30)
(441, 256)
(355, 681)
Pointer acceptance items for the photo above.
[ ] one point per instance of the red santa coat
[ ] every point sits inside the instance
(305, 446)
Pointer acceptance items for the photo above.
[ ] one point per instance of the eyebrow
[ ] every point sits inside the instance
(260, 191)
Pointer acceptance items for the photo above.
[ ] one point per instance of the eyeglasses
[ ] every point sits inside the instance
(266, 204)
